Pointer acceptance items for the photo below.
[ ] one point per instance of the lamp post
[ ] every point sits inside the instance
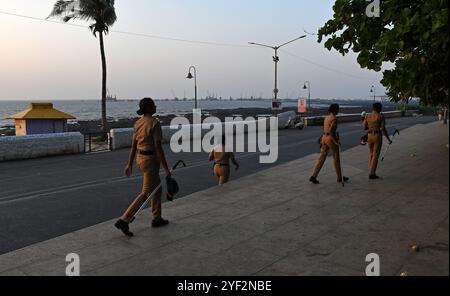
(372, 90)
(276, 60)
(190, 76)
(309, 93)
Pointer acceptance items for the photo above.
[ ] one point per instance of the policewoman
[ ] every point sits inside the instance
(222, 160)
(375, 124)
(329, 141)
(149, 154)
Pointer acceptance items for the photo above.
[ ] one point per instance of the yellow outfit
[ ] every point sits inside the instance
(147, 131)
(329, 142)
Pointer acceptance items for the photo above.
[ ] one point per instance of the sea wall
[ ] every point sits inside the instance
(34, 146)
(122, 138)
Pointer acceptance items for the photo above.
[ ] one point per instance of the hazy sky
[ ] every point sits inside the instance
(42, 60)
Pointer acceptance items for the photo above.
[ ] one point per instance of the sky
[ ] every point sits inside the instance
(44, 60)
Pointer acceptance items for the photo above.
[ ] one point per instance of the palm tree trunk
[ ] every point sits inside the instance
(104, 77)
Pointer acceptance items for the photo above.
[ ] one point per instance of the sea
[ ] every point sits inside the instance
(85, 110)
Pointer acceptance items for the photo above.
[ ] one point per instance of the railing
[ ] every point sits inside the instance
(96, 142)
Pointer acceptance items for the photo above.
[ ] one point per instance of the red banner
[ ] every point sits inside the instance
(302, 108)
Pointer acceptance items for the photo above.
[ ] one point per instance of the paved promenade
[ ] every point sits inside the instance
(275, 222)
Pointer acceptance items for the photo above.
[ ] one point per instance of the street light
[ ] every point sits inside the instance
(276, 59)
(190, 76)
(372, 90)
(309, 93)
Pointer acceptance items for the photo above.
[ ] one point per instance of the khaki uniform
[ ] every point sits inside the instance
(147, 131)
(329, 142)
(221, 163)
(375, 124)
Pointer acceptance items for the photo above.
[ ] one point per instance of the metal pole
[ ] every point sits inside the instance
(195, 79)
(276, 74)
(195, 83)
(309, 95)
(276, 59)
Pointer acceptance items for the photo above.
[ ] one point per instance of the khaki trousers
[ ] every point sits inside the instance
(375, 143)
(223, 173)
(327, 145)
(150, 166)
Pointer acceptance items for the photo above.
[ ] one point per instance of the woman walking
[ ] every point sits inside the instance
(149, 154)
(329, 141)
(221, 160)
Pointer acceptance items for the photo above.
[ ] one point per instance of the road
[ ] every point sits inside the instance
(45, 198)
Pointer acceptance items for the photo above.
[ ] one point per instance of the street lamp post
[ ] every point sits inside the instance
(190, 76)
(372, 90)
(276, 59)
(309, 93)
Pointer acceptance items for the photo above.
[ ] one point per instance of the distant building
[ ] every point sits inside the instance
(40, 118)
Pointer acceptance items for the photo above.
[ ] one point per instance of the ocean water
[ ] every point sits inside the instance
(91, 110)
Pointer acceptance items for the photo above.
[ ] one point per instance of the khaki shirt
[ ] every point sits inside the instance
(147, 131)
(220, 156)
(330, 125)
(375, 122)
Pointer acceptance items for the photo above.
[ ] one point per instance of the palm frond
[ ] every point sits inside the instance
(63, 7)
(102, 12)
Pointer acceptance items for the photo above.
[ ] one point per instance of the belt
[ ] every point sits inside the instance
(146, 153)
(328, 134)
(374, 132)
(222, 164)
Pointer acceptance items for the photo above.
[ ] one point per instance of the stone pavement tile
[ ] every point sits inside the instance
(62, 245)
(151, 238)
(428, 262)
(242, 260)
(54, 266)
(280, 214)
(353, 254)
(189, 207)
(13, 272)
(91, 258)
(173, 260)
(223, 237)
(23, 257)
(307, 263)
(292, 235)
(99, 233)
(226, 214)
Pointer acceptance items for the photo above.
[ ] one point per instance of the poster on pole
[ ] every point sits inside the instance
(302, 106)
(277, 105)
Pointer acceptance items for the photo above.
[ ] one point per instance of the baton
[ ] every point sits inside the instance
(340, 160)
(397, 132)
(147, 201)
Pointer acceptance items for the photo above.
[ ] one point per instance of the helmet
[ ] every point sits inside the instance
(172, 188)
(364, 140)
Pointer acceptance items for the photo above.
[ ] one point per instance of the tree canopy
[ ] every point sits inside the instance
(411, 34)
(101, 12)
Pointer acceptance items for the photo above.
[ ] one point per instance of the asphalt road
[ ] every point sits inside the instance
(45, 198)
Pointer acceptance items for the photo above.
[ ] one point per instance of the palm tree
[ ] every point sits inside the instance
(102, 15)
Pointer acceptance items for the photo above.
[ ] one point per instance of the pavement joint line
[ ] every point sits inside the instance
(379, 201)
(183, 238)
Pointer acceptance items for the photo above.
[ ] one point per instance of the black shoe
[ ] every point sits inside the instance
(314, 180)
(346, 179)
(374, 177)
(160, 223)
(124, 227)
